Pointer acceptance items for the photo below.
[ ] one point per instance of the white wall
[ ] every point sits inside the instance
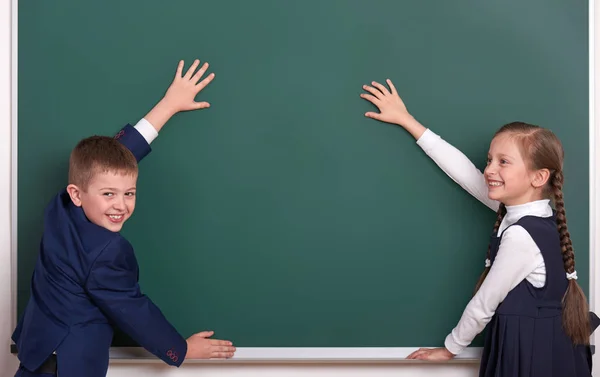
(8, 362)
(594, 48)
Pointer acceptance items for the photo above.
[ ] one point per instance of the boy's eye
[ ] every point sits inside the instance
(488, 160)
(503, 161)
(130, 194)
(108, 194)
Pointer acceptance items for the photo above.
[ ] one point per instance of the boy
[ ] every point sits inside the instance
(85, 278)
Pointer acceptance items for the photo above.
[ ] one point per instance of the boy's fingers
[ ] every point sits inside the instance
(201, 105)
(380, 87)
(392, 87)
(202, 84)
(205, 334)
(223, 349)
(218, 342)
(199, 74)
(179, 69)
(192, 69)
(223, 355)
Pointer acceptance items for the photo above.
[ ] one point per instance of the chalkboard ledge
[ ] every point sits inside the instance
(308, 355)
(274, 355)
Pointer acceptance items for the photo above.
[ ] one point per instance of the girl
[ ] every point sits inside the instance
(539, 323)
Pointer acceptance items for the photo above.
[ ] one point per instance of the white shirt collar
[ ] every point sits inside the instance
(540, 208)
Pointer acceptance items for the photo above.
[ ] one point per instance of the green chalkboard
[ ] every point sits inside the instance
(282, 216)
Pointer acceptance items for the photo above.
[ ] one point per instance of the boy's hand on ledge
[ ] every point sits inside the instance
(200, 347)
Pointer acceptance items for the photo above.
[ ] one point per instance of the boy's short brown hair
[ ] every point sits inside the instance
(99, 154)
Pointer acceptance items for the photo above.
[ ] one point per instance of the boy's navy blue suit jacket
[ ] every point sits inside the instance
(86, 280)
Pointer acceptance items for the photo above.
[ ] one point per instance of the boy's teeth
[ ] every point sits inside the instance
(495, 183)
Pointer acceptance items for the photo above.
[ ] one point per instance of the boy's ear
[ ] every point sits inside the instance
(540, 178)
(75, 194)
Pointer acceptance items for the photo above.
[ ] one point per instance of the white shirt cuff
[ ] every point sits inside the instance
(146, 130)
(452, 346)
(427, 138)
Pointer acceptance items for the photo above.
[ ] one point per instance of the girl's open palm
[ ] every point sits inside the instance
(390, 105)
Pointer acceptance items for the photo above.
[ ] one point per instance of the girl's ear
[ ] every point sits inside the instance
(75, 194)
(540, 178)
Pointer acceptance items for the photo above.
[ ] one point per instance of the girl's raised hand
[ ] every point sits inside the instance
(391, 107)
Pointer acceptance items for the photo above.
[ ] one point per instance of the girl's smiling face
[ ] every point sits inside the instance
(507, 174)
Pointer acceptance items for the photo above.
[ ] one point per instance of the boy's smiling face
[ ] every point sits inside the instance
(109, 199)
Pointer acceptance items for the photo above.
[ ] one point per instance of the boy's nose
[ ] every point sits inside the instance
(119, 204)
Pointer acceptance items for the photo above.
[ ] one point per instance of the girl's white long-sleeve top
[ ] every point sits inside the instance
(518, 257)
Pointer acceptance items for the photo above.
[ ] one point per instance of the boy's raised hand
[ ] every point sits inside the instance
(183, 90)
(391, 107)
(181, 94)
(200, 347)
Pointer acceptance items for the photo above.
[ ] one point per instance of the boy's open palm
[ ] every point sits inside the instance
(389, 103)
(200, 347)
(183, 90)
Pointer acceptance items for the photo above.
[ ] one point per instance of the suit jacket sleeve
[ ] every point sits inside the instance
(113, 285)
(134, 141)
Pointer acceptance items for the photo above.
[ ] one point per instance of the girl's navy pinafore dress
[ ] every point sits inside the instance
(525, 337)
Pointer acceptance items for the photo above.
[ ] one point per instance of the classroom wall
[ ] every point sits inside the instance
(8, 362)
